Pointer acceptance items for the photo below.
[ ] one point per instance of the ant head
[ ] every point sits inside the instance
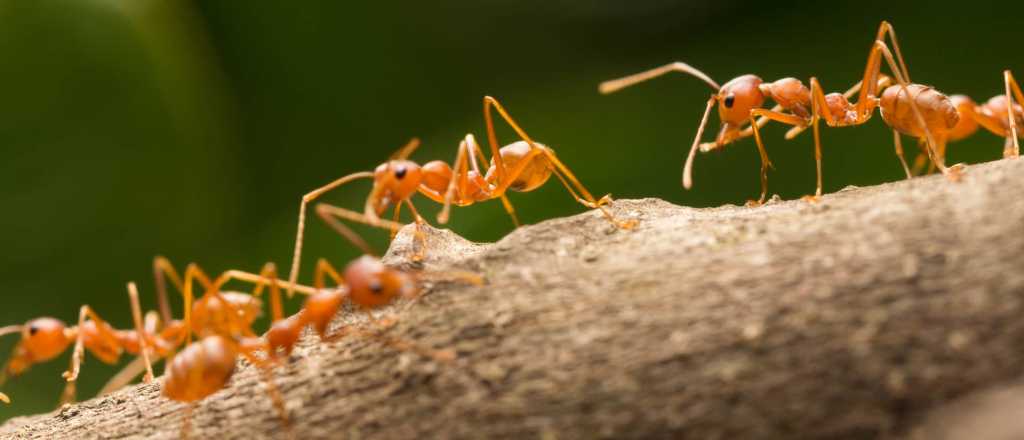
(42, 339)
(737, 98)
(372, 284)
(394, 181)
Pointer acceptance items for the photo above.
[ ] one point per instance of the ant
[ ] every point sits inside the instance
(994, 115)
(740, 101)
(521, 166)
(224, 326)
(206, 365)
(208, 312)
(43, 339)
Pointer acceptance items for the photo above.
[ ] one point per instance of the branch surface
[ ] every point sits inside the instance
(870, 314)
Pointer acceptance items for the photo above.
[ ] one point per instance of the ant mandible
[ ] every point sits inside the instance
(740, 102)
(521, 166)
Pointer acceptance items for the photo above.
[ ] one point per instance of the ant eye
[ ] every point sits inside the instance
(33, 330)
(729, 101)
(376, 287)
(400, 172)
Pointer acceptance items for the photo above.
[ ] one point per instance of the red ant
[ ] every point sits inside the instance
(205, 366)
(926, 115)
(43, 339)
(521, 166)
(994, 115)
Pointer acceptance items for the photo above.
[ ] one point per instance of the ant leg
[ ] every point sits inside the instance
(1013, 149)
(765, 161)
(920, 163)
(133, 295)
(293, 275)
(569, 181)
(255, 279)
(396, 218)
(124, 377)
(471, 144)
(71, 375)
(511, 210)
(186, 420)
(324, 267)
(400, 344)
(420, 236)
(457, 182)
(328, 214)
(163, 269)
(615, 85)
(886, 28)
(267, 276)
(4, 398)
(265, 367)
(899, 153)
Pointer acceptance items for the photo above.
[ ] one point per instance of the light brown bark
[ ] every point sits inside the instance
(856, 317)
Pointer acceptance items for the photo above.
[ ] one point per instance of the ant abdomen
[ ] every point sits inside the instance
(938, 111)
(201, 369)
(536, 173)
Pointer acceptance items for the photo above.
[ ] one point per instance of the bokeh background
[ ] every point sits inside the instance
(191, 129)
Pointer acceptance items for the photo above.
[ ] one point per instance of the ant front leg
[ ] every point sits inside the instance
(293, 274)
(766, 163)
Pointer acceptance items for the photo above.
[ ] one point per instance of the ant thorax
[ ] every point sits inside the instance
(842, 110)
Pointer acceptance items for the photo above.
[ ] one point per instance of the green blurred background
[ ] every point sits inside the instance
(191, 129)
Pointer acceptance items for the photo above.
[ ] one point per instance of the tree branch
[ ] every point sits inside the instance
(851, 318)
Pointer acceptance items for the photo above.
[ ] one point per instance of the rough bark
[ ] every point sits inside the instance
(874, 313)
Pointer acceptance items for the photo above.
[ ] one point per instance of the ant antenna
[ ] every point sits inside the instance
(688, 168)
(10, 329)
(615, 85)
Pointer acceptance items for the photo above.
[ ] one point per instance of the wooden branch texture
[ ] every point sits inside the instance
(867, 315)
